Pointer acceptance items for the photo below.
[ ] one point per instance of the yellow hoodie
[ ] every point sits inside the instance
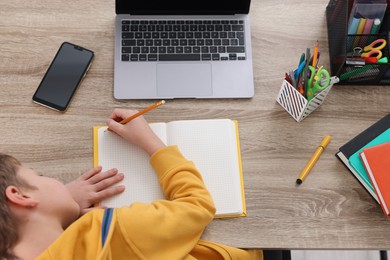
(165, 229)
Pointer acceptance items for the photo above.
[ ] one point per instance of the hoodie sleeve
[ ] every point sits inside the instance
(169, 229)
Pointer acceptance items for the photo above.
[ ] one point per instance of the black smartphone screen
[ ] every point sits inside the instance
(63, 76)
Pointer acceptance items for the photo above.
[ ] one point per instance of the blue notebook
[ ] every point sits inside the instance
(356, 162)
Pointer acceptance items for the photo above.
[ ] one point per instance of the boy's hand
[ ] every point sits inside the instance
(137, 131)
(94, 186)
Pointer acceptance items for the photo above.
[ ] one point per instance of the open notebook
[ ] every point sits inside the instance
(213, 145)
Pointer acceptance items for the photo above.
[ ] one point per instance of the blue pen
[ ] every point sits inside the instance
(299, 70)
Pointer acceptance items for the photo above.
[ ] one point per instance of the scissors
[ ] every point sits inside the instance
(372, 50)
(318, 81)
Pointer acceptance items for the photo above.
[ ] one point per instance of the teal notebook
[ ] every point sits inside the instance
(356, 162)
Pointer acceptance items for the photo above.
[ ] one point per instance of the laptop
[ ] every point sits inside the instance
(167, 49)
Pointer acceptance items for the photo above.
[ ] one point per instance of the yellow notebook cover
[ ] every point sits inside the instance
(213, 145)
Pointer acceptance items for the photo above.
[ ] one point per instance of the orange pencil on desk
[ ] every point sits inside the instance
(126, 120)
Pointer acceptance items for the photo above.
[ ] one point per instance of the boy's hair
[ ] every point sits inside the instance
(8, 223)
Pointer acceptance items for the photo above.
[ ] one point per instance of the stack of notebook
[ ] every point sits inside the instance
(366, 156)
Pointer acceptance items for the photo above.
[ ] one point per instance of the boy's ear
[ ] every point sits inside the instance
(17, 197)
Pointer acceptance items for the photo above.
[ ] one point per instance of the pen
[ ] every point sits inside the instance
(299, 70)
(126, 120)
(313, 159)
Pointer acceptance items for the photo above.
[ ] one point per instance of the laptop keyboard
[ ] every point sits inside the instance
(183, 40)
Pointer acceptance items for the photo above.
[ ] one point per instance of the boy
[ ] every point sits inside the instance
(46, 214)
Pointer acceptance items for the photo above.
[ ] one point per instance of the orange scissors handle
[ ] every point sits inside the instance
(378, 44)
(373, 53)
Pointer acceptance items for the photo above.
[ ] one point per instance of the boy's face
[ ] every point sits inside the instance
(53, 196)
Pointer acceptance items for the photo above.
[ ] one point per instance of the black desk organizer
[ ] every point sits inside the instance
(337, 16)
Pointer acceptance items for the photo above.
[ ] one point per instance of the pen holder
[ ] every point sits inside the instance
(296, 104)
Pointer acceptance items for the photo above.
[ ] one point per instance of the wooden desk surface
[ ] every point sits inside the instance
(329, 210)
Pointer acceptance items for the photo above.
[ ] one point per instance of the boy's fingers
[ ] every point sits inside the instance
(108, 182)
(103, 175)
(115, 113)
(107, 193)
(114, 126)
(119, 114)
(91, 173)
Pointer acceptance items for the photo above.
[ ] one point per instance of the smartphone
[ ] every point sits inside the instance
(63, 76)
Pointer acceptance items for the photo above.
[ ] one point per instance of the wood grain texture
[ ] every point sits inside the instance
(329, 210)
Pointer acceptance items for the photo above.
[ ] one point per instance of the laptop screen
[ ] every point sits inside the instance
(182, 7)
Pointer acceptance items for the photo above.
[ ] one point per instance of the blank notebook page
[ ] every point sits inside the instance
(115, 152)
(212, 146)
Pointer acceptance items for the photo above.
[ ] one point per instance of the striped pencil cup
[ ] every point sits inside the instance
(296, 104)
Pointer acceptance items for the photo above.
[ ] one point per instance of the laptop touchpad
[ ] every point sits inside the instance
(184, 80)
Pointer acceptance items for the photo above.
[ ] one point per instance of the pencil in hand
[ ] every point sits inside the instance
(126, 120)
